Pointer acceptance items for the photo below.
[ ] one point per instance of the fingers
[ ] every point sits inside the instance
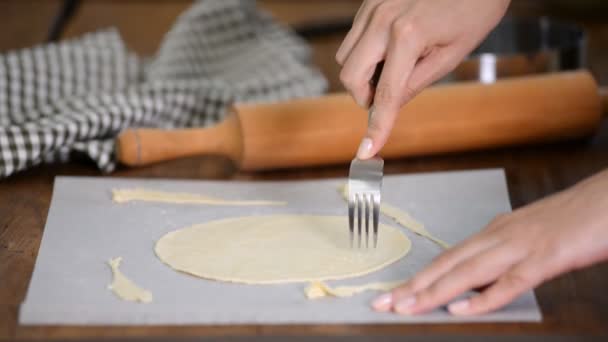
(419, 45)
(449, 259)
(402, 79)
(474, 246)
(435, 65)
(443, 264)
(473, 272)
(440, 266)
(393, 89)
(370, 49)
(359, 24)
(508, 287)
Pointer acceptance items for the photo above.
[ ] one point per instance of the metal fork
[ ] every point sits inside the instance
(364, 185)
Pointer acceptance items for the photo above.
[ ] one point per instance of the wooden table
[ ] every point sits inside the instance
(573, 304)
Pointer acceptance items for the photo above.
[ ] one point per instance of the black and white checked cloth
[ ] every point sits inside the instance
(77, 95)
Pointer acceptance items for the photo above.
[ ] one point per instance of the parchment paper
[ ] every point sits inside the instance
(85, 228)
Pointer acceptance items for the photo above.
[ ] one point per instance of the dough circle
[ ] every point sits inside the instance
(277, 249)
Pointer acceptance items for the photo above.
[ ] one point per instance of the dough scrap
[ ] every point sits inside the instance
(277, 249)
(126, 195)
(124, 288)
(319, 289)
(406, 220)
(403, 218)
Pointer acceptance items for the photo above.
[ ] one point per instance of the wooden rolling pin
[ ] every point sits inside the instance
(328, 129)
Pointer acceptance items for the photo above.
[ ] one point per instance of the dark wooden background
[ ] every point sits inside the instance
(573, 304)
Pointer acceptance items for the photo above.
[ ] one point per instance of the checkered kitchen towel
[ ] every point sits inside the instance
(77, 95)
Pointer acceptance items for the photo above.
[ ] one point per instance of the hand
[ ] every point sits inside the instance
(419, 40)
(516, 252)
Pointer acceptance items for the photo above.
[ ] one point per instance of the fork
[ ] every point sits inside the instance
(364, 185)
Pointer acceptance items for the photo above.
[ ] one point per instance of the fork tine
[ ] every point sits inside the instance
(351, 218)
(359, 212)
(364, 186)
(376, 209)
(367, 200)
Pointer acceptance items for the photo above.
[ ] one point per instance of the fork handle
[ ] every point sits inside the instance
(373, 82)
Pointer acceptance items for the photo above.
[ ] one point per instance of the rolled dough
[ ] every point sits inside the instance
(124, 288)
(277, 249)
(126, 195)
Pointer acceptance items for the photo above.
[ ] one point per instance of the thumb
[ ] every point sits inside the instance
(384, 114)
(380, 124)
(391, 94)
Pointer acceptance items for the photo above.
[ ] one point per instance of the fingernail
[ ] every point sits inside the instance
(405, 306)
(383, 303)
(365, 148)
(460, 306)
(362, 102)
(339, 53)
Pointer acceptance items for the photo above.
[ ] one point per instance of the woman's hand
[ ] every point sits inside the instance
(419, 40)
(515, 253)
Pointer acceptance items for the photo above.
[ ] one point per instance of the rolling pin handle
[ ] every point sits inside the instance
(144, 146)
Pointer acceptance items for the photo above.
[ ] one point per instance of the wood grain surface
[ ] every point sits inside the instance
(573, 304)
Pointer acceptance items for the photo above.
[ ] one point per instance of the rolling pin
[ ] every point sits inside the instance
(328, 129)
